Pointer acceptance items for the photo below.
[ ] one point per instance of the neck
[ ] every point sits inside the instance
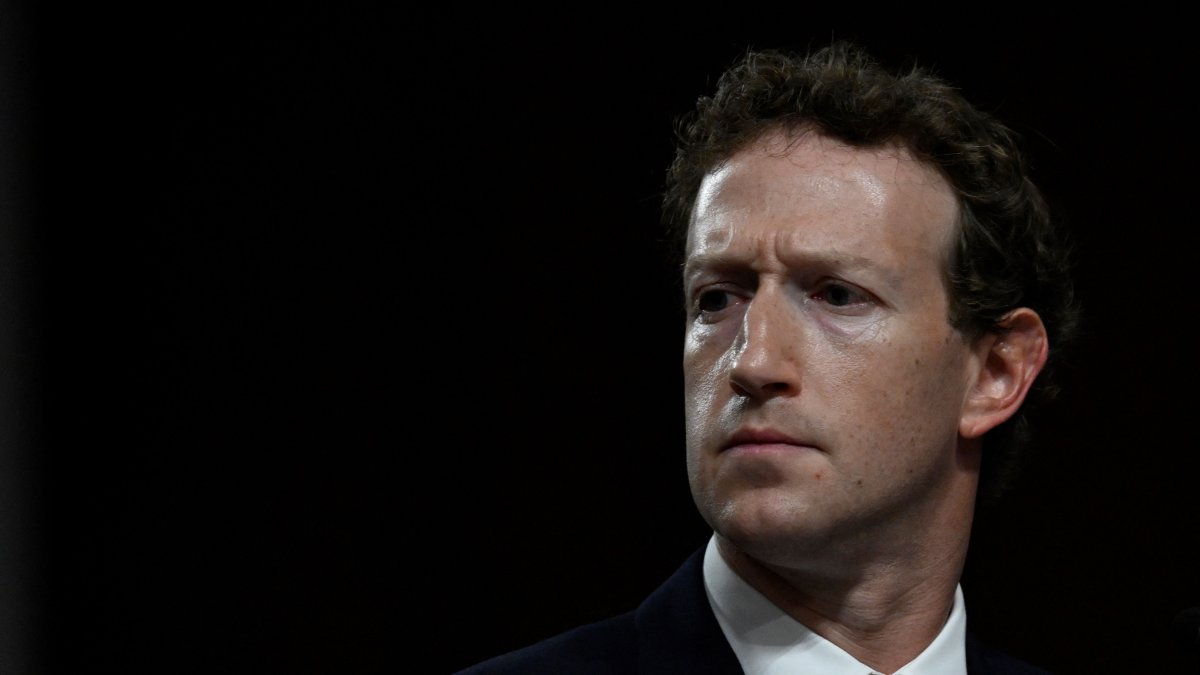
(883, 606)
(882, 618)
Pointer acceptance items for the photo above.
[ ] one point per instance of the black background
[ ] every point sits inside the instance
(352, 345)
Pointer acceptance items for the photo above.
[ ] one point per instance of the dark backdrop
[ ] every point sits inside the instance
(356, 347)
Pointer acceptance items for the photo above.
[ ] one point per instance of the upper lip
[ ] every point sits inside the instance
(760, 436)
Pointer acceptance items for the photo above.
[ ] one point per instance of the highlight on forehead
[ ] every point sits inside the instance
(785, 145)
(874, 175)
(781, 141)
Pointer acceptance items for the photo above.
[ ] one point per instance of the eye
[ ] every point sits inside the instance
(839, 295)
(712, 302)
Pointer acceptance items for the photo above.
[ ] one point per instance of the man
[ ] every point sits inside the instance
(874, 288)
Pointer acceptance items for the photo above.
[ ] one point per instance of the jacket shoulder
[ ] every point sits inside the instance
(604, 647)
(985, 660)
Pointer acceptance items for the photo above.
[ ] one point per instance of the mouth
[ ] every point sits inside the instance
(763, 439)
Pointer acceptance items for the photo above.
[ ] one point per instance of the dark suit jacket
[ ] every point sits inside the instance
(673, 631)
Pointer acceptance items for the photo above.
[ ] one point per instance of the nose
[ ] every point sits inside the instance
(765, 364)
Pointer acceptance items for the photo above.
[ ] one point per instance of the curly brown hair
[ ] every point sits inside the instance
(1010, 252)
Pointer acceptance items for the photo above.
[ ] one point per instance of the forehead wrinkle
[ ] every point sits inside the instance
(913, 192)
(836, 176)
(728, 232)
(787, 248)
(796, 249)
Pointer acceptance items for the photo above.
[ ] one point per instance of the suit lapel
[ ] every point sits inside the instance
(677, 631)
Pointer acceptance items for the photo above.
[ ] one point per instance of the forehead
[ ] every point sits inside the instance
(817, 192)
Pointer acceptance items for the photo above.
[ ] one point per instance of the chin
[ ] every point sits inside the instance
(767, 526)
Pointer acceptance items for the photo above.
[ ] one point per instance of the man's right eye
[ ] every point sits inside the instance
(712, 301)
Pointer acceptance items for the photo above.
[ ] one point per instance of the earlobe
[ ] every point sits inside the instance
(1010, 362)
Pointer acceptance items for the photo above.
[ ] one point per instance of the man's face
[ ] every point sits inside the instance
(824, 384)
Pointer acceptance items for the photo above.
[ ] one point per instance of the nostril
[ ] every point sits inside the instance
(750, 389)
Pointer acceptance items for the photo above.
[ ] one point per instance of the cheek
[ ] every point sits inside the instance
(700, 409)
(706, 391)
(898, 397)
(703, 368)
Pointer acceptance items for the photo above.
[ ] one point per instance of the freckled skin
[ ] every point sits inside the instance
(873, 380)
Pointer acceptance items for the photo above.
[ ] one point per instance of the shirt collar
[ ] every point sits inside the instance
(769, 642)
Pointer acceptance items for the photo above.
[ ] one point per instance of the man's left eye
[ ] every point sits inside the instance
(838, 295)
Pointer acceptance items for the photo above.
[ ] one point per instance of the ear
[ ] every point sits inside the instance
(1009, 361)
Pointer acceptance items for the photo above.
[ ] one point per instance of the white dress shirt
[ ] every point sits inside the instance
(769, 642)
